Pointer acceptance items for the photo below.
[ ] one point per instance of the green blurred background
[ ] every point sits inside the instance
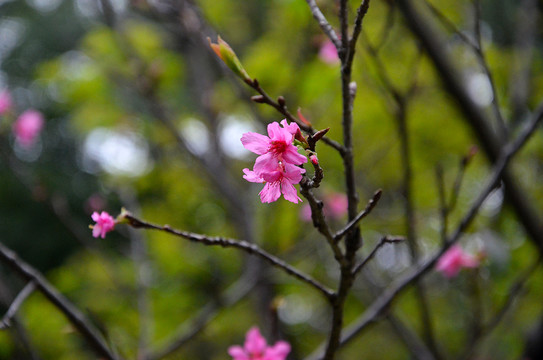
(140, 113)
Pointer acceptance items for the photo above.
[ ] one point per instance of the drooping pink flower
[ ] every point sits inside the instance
(453, 260)
(328, 53)
(276, 165)
(5, 101)
(277, 146)
(256, 348)
(27, 127)
(104, 224)
(279, 180)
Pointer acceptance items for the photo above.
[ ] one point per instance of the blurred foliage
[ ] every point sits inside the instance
(84, 75)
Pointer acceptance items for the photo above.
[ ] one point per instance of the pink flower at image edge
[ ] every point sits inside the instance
(328, 53)
(453, 260)
(104, 224)
(27, 127)
(256, 348)
(5, 101)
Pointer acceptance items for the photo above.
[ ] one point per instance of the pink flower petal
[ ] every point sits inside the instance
(252, 176)
(291, 128)
(278, 352)
(271, 192)
(289, 191)
(27, 127)
(292, 156)
(266, 163)
(255, 342)
(238, 353)
(255, 142)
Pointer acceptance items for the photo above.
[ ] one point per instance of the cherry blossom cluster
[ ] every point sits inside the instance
(27, 126)
(256, 348)
(278, 165)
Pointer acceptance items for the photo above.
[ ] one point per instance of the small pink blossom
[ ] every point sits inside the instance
(335, 207)
(277, 146)
(278, 181)
(453, 260)
(256, 348)
(104, 224)
(314, 159)
(27, 127)
(328, 53)
(5, 101)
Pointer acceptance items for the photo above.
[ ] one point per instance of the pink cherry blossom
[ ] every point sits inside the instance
(453, 260)
(278, 181)
(277, 146)
(104, 224)
(328, 53)
(335, 207)
(5, 102)
(256, 348)
(276, 165)
(27, 127)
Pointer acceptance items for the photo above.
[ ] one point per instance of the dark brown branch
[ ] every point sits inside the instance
(281, 107)
(74, 315)
(384, 240)
(319, 222)
(515, 290)
(323, 23)
(360, 13)
(475, 117)
(397, 287)
(238, 244)
(369, 208)
(16, 304)
(192, 327)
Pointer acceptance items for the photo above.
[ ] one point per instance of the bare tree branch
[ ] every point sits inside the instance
(16, 304)
(475, 117)
(74, 315)
(238, 244)
(398, 286)
(323, 23)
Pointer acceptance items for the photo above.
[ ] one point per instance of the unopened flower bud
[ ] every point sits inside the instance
(227, 54)
(352, 89)
(314, 159)
(258, 99)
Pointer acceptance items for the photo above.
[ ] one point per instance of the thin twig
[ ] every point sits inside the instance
(360, 13)
(397, 287)
(515, 290)
(369, 208)
(433, 45)
(384, 240)
(323, 23)
(192, 327)
(74, 315)
(16, 304)
(319, 221)
(281, 107)
(238, 244)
